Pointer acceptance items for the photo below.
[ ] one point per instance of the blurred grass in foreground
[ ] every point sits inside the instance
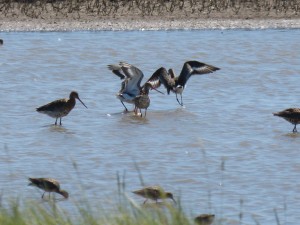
(50, 214)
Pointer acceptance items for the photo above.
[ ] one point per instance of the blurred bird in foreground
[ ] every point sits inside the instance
(205, 219)
(48, 185)
(154, 193)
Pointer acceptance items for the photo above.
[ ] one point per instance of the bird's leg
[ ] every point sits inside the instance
(43, 194)
(141, 113)
(56, 121)
(145, 112)
(59, 120)
(135, 110)
(124, 106)
(178, 100)
(181, 100)
(145, 201)
(295, 129)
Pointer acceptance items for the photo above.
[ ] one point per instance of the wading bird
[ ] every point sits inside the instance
(154, 193)
(291, 115)
(142, 101)
(48, 185)
(60, 108)
(131, 90)
(177, 84)
(205, 219)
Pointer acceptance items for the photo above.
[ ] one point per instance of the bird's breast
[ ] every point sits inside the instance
(178, 89)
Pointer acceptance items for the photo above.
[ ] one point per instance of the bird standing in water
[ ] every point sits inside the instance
(48, 185)
(154, 193)
(177, 84)
(142, 101)
(60, 108)
(291, 115)
(131, 84)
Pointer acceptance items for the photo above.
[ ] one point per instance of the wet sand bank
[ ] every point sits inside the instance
(144, 24)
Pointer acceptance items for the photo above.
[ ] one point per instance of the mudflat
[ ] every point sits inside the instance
(65, 15)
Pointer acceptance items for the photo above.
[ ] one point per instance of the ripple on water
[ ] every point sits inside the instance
(224, 145)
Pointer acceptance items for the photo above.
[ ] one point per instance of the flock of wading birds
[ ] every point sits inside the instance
(133, 93)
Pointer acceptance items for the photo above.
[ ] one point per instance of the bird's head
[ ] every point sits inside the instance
(74, 95)
(64, 193)
(170, 195)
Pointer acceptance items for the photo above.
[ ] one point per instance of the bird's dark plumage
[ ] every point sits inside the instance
(205, 219)
(61, 107)
(154, 193)
(291, 115)
(177, 84)
(48, 185)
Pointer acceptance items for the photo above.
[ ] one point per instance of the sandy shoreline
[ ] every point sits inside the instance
(54, 15)
(145, 24)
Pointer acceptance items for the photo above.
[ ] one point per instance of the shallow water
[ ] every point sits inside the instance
(222, 147)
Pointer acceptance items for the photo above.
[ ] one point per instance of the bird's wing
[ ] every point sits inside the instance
(154, 79)
(152, 83)
(44, 183)
(55, 105)
(52, 182)
(164, 78)
(117, 70)
(135, 76)
(292, 113)
(131, 71)
(192, 68)
(34, 181)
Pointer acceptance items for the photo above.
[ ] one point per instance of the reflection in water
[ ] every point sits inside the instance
(131, 118)
(60, 129)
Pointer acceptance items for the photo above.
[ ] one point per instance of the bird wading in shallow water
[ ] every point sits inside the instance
(291, 115)
(48, 185)
(60, 108)
(177, 84)
(131, 90)
(154, 193)
(142, 101)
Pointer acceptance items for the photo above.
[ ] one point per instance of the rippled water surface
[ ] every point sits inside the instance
(222, 148)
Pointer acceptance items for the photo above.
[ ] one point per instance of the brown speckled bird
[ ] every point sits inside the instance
(142, 101)
(291, 115)
(205, 219)
(60, 108)
(154, 193)
(48, 185)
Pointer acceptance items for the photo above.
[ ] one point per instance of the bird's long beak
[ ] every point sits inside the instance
(82, 103)
(158, 91)
(174, 201)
